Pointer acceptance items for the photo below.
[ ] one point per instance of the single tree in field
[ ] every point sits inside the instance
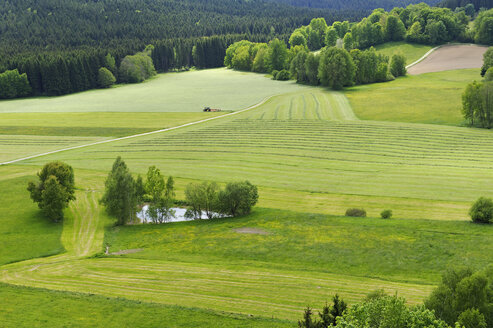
(54, 190)
(120, 196)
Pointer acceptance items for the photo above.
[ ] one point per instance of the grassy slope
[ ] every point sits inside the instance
(397, 250)
(30, 307)
(172, 92)
(426, 98)
(107, 124)
(24, 233)
(406, 165)
(412, 51)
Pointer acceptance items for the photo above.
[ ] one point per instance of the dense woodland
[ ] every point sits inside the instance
(452, 4)
(348, 4)
(62, 44)
(65, 44)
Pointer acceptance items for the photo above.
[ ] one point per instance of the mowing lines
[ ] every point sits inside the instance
(239, 289)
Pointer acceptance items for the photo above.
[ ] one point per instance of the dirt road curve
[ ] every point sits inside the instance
(450, 57)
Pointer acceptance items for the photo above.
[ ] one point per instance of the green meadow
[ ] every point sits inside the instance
(433, 98)
(412, 51)
(63, 309)
(217, 88)
(312, 152)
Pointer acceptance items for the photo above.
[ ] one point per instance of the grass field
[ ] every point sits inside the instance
(427, 98)
(30, 307)
(103, 124)
(413, 52)
(307, 152)
(24, 233)
(362, 158)
(217, 88)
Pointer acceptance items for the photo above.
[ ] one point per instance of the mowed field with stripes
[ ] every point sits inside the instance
(311, 158)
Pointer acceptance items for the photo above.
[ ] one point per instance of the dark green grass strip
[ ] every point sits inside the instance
(34, 307)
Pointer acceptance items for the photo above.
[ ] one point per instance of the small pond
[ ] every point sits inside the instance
(178, 217)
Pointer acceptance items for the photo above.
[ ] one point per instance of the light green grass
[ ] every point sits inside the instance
(414, 251)
(31, 307)
(18, 146)
(108, 124)
(24, 233)
(171, 92)
(370, 160)
(425, 98)
(412, 51)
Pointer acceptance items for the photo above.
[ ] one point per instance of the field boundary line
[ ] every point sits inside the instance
(423, 57)
(138, 135)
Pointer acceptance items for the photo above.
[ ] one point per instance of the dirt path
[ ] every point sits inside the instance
(450, 57)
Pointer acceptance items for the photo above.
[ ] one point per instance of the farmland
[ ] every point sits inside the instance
(312, 152)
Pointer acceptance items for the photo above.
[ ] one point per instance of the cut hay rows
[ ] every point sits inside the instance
(260, 292)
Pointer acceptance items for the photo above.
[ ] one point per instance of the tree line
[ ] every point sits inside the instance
(416, 23)
(463, 299)
(332, 66)
(348, 4)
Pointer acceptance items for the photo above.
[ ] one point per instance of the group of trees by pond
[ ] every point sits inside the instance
(124, 194)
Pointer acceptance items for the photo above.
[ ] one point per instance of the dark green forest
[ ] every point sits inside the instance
(61, 44)
(347, 4)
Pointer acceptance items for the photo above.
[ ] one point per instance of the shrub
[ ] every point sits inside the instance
(356, 212)
(105, 78)
(386, 214)
(282, 75)
(482, 210)
(488, 77)
(398, 65)
(274, 74)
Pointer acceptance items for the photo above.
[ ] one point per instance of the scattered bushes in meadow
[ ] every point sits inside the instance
(356, 212)
(482, 210)
(386, 214)
(54, 190)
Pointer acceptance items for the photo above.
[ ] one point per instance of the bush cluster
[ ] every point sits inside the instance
(237, 198)
(356, 212)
